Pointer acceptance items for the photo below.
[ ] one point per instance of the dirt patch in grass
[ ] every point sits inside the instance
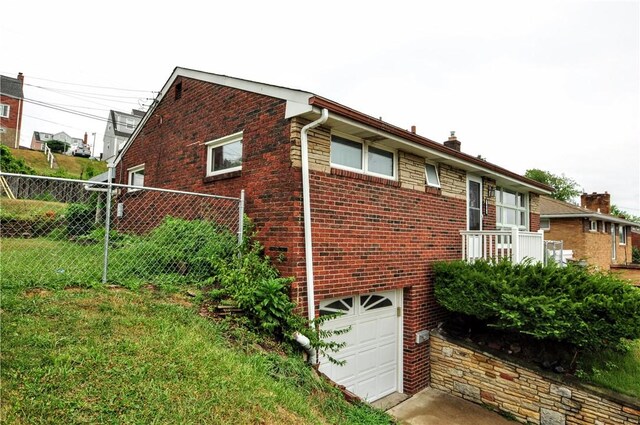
(36, 292)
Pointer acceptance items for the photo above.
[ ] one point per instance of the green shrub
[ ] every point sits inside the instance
(11, 164)
(590, 310)
(80, 219)
(178, 250)
(252, 282)
(635, 255)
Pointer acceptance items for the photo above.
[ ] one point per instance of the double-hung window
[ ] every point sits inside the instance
(362, 157)
(224, 155)
(511, 209)
(4, 110)
(136, 176)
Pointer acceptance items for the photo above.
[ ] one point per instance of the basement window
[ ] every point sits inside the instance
(224, 155)
(362, 157)
(432, 175)
(4, 110)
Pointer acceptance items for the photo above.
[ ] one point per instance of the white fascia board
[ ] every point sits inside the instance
(440, 155)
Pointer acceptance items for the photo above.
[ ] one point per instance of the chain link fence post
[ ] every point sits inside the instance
(107, 223)
(241, 218)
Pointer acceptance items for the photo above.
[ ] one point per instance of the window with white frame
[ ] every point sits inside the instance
(4, 110)
(511, 209)
(545, 224)
(593, 226)
(604, 226)
(431, 172)
(623, 234)
(136, 176)
(362, 157)
(224, 155)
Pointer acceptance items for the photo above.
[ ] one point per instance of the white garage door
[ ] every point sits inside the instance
(371, 353)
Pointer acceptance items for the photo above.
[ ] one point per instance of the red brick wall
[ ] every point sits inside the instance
(373, 236)
(12, 124)
(171, 145)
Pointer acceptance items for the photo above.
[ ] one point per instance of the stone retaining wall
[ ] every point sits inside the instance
(530, 396)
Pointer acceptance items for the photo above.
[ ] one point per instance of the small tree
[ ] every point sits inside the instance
(57, 146)
(564, 188)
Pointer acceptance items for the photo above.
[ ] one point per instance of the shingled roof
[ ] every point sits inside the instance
(553, 208)
(11, 87)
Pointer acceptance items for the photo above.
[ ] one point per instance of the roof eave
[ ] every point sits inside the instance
(442, 150)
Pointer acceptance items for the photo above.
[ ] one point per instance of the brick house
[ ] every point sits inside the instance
(374, 204)
(11, 100)
(589, 230)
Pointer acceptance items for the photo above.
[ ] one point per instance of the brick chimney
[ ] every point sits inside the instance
(21, 78)
(599, 202)
(453, 142)
(84, 142)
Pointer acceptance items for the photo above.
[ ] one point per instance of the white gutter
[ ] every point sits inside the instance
(306, 206)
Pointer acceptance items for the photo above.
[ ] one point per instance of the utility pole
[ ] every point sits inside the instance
(93, 147)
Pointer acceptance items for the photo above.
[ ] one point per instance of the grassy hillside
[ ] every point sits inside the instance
(112, 356)
(69, 166)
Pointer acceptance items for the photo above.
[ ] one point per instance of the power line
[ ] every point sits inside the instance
(54, 89)
(53, 122)
(66, 110)
(87, 85)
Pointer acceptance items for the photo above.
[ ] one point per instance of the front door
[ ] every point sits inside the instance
(474, 216)
(474, 203)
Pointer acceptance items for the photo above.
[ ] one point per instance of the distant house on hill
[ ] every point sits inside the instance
(120, 126)
(11, 100)
(40, 138)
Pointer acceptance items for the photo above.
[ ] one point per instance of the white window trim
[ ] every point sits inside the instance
(593, 226)
(2, 106)
(525, 209)
(545, 228)
(212, 144)
(426, 175)
(364, 153)
(130, 172)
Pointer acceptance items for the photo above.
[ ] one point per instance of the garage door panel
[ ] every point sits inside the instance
(371, 353)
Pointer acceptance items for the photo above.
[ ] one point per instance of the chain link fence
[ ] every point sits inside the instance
(57, 231)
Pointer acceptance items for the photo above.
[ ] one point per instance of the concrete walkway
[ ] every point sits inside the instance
(433, 407)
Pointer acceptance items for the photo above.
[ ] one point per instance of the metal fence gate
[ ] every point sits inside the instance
(55, 230)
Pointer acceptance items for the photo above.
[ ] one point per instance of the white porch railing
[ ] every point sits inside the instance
(496, 244)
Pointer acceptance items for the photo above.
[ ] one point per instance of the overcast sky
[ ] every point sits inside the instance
(535, 84)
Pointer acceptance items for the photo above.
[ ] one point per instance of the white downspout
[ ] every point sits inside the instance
(306, 205)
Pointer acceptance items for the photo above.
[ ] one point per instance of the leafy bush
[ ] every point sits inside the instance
(11, 164)
(177, 250)
(254, 284)
(635, 255)
(590, 310)
(57, 146)
(80, 219)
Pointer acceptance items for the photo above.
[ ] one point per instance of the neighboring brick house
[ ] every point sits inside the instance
(383, 204)
(589, 230)
(11, 100)
(120, 126)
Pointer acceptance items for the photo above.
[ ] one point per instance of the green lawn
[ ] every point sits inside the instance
(617, 371)
(74, 354)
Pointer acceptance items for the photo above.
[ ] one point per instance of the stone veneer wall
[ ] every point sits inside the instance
(530, 396)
